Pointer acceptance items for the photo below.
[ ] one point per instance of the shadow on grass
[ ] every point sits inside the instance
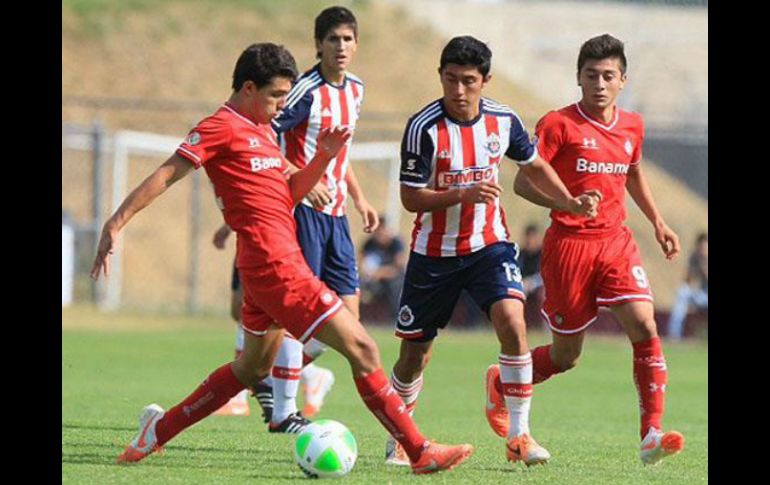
(96, 427)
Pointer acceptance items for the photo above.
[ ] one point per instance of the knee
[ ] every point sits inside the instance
(250, 374)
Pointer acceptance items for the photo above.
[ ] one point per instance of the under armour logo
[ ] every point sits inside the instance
(253, 142)
(590, 143)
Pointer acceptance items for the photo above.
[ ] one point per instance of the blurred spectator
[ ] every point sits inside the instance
(530, 252)
(383, 260)
(694, 289)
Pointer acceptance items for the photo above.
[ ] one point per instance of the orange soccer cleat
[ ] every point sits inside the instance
(436, 457)
(497, 413)
(525, 448)
(145, 442)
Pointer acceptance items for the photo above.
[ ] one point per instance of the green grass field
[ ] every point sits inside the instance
(587, 418)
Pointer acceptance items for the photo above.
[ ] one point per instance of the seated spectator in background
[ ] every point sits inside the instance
(694, 289)
(530, 251)
(383, 260)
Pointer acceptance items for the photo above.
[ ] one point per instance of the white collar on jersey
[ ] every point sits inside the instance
(232, 110)
(600, 125)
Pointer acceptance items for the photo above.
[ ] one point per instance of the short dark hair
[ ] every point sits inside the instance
(602, 47)
(330, 18)
(466, 50)
(260, 63)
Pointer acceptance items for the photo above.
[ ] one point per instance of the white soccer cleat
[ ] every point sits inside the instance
(525, 448)
(316, 387)
(146, 441)
(658, 445)
(395, 453)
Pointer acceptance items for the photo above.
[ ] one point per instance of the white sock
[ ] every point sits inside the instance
(516, 376)
(409, 391)
(286, 371)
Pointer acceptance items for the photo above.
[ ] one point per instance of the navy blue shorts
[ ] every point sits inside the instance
(432, 286)
(328, 249)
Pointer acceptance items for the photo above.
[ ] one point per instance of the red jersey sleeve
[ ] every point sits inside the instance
(207, 140)
(550, 135)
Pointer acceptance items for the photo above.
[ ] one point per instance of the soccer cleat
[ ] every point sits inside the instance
(658, 445)
(238, 405)
(293, 424)
(145, 442)
(436, 457)
(315, 390)
(395, 453)
(495, 409)
(264, 395)
(525, 448)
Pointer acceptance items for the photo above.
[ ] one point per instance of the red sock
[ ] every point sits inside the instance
(650, 377)
(383, 401)
(214, 392)
(542, 365)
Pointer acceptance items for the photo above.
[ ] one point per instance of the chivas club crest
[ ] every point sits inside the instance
(193, 139)
(493, 145)
(405, 316)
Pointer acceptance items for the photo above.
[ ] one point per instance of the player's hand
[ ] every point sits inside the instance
(370, 216)
(331, 140)
(586, 204)
(668, 240)
(481, 193)
(103, 252)
(221, 236)
(319, 196)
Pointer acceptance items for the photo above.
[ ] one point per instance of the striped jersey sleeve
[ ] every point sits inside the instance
(417, 147)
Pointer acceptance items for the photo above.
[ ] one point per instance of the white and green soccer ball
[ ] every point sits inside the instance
(325, 449)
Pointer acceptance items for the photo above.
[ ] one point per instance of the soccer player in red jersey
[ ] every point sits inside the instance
(450, 160)
(257, 189)
(588, 263)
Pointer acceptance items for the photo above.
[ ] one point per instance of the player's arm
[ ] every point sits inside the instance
(173, 169)
(639, 189)
(547, 189)
(330, 141)
(425, 199)
(368, 214)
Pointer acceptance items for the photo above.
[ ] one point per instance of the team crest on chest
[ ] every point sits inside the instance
(493, 145)
(628, 147)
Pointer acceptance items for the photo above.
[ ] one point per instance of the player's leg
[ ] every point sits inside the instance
(651, 379)
(157, 427)
(239, 404)
(496, 287)
(624, 287)
(569, 278)
(286, 375)
(346, 335)
(431, 289)
(313, 231)
(340, 273)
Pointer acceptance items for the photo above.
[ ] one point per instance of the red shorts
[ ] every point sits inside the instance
(287, 293)
(581, 273)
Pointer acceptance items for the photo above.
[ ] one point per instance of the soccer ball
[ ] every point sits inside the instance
(325, 449)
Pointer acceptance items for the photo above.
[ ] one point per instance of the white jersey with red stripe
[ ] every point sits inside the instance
(313, 104)
(440, 153)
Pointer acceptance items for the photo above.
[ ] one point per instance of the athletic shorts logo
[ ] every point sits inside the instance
(493, 145)
(405, 316)
(559, 319)
(327, 298)
(193, 139)
(411, 163)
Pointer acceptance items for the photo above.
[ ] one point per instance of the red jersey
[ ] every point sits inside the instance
(249, 173)
(588, 154)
